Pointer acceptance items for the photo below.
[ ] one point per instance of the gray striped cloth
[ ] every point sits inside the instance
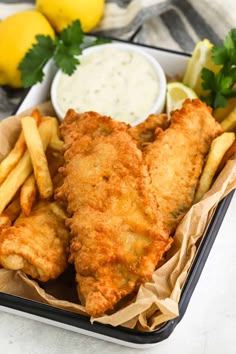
(172, 24)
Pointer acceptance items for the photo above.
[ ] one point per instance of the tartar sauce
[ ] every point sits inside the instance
(115, 82)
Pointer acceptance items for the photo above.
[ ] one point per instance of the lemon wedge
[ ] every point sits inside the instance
(201, 58)
(176, 94)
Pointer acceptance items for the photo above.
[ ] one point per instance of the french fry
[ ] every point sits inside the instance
(17, 152)
(14, 180)
(221, 113)
(36, 115)
(218, 148)
(4, 221)
(13, 209)
(28, 195)
(22, 170)
(12, 158)
(230, 154)
(45, 132)
(36, 150)
(229, 123)
(55, 161)
(10, 214)
(55, 143)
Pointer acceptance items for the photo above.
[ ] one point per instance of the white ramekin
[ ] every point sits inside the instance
(157, 107)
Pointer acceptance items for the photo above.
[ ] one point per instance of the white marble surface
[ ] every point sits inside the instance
(208, 326)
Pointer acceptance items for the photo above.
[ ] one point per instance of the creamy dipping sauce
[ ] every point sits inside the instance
(113, 82)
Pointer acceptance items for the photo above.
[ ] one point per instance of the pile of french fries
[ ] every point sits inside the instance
(222, 149)
(24, 172)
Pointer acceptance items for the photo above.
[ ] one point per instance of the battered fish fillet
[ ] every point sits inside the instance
(146, 132)
(37, 244)
(117, 229)
(176, 158)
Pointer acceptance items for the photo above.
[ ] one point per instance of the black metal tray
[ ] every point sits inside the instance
(129, 337)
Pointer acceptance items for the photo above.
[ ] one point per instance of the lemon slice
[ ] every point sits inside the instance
(176, 94)
(201, 58)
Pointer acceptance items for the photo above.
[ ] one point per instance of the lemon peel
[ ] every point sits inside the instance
(62, 13)
(17, 33)
(201, 58)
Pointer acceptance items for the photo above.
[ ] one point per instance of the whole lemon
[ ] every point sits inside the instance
(17, 33)
(62, 13)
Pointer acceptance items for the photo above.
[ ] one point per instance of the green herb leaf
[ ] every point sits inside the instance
(64, 49)
(32, 64)
(225, 84)
(220, 100)
(64, 59)
(229, 42)
(220, 86)
(208, 99)
(219, 55)
(208, 79)
(72, 35)
(99, 41)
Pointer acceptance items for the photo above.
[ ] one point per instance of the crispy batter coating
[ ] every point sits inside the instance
(146, 132)
(176, 158)
(117, 229)
(37, 244)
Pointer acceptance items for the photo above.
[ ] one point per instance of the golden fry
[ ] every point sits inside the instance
(5, 221)
(12, 158)
(229, 123)
(10, 214)
(36, 115)
(14, 180)
(221, 113)
(16, 153)
(38, 157)
(218, 148)
(55, 143)
(45, 132)
(22, 170)
(13, 209)
(230, 154)
(28, 195)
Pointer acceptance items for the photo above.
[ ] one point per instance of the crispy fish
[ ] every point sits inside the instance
(118, 236)
(146, 132)
(37, 244)
(176, 158)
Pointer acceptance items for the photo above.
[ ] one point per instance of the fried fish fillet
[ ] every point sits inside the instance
(117, 230)
(37, 244)
(146, 132)
(176, 158)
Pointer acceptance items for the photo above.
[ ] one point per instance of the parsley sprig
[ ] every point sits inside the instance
(221, 85)
(64, 49)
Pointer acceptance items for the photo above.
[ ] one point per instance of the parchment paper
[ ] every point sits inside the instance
(157, 301)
